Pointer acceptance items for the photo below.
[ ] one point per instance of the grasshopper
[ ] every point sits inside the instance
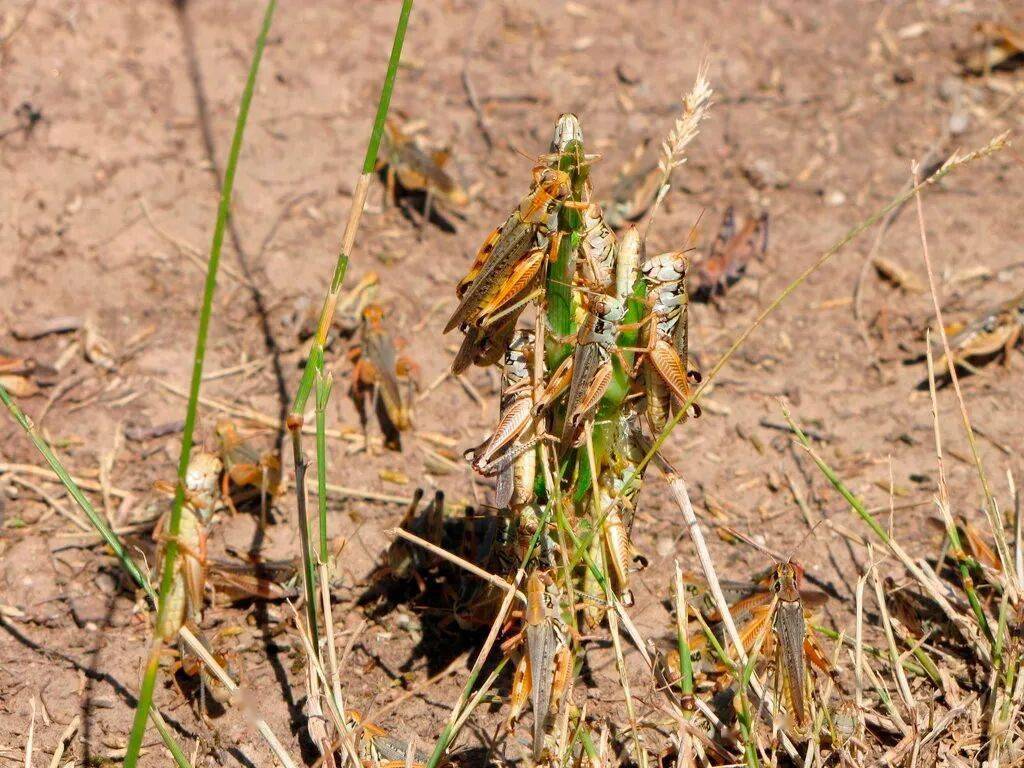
(244, 466)
(782, 606)
(588, 372)
(378, 748)
(598, 252)
(636, 187)
(730, 253)
(192, 666)
(379, 370)
(996, 331)
(664, 339)
(542, 672)
(185, 599)
(416, 170)
(258, 580)
(348, 313)
(592, 364)
(512, 255)
(508, 452)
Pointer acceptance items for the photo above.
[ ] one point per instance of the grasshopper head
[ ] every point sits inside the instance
(373, 315)
(787, 579)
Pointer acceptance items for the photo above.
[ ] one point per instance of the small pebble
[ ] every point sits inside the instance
(958, 122)
(835, 198)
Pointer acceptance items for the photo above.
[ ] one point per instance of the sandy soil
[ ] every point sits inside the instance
(107, 198)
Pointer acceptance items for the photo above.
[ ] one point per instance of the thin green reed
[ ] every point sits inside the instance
(206, 309)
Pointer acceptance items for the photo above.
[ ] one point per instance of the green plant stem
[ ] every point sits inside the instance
(370, 161)
(205, 312)
(323, 395)
(308, 573)
(358, 199)
(682, 641)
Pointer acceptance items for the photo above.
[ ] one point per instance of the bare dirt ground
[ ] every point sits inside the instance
(106, 206)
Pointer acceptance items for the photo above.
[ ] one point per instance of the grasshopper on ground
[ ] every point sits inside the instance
(664, 339)
(416, 170)
(543, 670)
(730, 253)
(185, 600)
(378, 748)
(244, 466)
(996, 331)
(348, 312)
(779, 605)
(236, 581)
(194, 667)
(380, 372)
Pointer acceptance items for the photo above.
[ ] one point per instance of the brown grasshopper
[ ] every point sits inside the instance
(260, 580)
(994, 332)
(508, 452)
(416, 170)
(185, 599)
(1001, 45)
(192, 666)
(512, 255)
(730, 253)
(635, 188)
(244, 466)
(617, 504)
(378, 748)
(664, 339)
(542, 671)
(592, 364)
(598, 252)
(782, 606)
(379, 371)
(348, 313)
(588, 372)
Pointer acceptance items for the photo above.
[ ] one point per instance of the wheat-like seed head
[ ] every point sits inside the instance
(695, 106)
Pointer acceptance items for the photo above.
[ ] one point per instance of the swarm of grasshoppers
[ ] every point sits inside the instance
(604, 349)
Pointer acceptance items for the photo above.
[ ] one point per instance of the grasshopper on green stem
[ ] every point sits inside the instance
(512, 255)
(664, 339)
(543, 670)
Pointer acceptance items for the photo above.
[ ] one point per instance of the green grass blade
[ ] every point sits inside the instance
(369, 163)
(205, 312)
(323, 395)
(75, 492)
(389, 85)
